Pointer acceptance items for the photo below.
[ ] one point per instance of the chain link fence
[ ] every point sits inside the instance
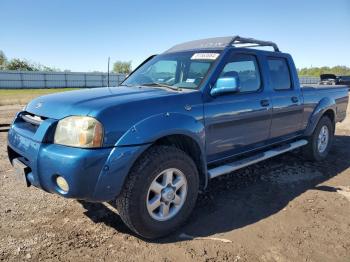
(39, 79)
(307, 80)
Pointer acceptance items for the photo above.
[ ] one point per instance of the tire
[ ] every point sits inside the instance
(134, 202)
(312, 151)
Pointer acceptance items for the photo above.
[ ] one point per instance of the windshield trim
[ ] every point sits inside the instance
(133, 71)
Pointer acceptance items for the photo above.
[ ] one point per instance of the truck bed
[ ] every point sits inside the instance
(323, 87)
(315, 94)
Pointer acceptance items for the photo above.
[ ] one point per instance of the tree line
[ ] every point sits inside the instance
(22, 64)
(317, 71)
(124, 67)
(120, 67)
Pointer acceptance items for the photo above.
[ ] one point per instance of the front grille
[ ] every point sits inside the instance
(32, 119)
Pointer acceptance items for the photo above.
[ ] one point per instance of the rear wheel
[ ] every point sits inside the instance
(321, 140)
(160, 192)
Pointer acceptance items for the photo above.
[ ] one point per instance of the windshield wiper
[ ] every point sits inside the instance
(126, 85)
(162, 85)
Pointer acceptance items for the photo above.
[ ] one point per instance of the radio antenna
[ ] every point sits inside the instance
(108, 71)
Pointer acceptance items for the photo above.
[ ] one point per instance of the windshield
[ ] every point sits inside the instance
(175, 70)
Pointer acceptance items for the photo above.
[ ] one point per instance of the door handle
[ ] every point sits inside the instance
(264, 102)
(294, 99)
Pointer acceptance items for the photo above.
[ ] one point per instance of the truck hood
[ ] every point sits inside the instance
(86, 101)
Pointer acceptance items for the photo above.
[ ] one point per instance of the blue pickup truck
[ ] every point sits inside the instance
(199, 110)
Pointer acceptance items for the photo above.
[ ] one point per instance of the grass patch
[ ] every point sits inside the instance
(23, 96)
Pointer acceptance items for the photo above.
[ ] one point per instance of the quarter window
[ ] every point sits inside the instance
(248, 72)
(279, 74)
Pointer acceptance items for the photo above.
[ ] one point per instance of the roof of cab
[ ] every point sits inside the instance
(220, 43)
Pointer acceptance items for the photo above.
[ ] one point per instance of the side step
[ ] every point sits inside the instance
(228, 168)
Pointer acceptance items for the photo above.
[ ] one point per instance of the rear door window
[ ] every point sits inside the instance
(279, 74)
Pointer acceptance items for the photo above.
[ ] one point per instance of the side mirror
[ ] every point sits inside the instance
(225, 85)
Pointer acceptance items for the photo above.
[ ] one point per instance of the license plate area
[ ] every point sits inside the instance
(21, 171)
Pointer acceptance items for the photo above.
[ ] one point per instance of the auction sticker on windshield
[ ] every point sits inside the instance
(204, 56)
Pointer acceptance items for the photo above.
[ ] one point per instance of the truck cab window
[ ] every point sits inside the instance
(247, 69)
(279, 73)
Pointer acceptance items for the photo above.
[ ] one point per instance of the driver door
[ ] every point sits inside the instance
(238, 122)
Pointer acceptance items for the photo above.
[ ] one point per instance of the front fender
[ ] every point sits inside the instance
(155, 127)
(325, 104)
(161, 125)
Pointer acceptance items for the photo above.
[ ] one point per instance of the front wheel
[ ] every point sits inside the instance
(160, 192)
(321, 140)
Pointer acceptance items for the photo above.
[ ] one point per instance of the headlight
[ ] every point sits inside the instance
(79, 131)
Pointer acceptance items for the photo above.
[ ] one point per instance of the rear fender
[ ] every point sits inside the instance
(325, 104)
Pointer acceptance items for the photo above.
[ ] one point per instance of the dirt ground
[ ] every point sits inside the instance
(283, 209)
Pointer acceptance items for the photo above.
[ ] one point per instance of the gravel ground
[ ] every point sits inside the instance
(283, 209)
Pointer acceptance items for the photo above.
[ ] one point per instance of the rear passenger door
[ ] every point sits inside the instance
(286, 99)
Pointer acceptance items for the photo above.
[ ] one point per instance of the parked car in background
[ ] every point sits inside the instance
(344, 80)
(199, 110)
(328, 79)
(332, 79)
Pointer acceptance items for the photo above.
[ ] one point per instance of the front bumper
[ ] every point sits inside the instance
(92, 174)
